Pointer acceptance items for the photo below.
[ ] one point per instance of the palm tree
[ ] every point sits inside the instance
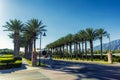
(91, 35)
(82, 35)
(26, 43)
(76, 40)
(35, 27)
(15, 26)
(101, 33)
(69, 39)
(62, 42)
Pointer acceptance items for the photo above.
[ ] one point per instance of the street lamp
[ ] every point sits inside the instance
(44, 34)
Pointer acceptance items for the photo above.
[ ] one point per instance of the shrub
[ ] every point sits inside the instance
(10, 62)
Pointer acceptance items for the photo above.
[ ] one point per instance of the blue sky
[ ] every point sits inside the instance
(62, 17)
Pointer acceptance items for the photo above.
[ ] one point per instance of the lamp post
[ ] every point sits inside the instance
(44, 34)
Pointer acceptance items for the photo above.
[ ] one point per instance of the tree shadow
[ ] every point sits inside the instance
(6, 71)
(85, 70)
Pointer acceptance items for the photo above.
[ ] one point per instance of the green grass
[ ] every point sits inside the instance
(30, 63)
(85, 61)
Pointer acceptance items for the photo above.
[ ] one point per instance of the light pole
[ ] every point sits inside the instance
(40, 46)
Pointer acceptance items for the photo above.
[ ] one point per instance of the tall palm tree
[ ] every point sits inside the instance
(15, 26)
(76, 40)
(82, 36)
(35, 27)
(26, 42)
(101, 33)
(69, 39)
(91, 35)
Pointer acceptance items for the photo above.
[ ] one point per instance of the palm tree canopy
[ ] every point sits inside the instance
(14, 26)
(91, 33)
(76, 37)
(35, 27)
(101, 32)
(69, 38)
(82, 35)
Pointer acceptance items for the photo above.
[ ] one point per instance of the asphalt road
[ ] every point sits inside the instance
(85, 70)
(62, 70)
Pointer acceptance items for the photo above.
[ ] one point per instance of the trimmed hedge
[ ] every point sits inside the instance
(10, 62)
(95, 57)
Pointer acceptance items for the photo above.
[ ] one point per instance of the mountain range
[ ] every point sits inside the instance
(113, 45)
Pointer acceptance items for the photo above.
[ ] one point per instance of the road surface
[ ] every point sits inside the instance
(85, 70)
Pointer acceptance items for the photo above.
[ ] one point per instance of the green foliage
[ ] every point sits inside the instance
(95, 57)
(28, 61)
(116, 51)
(6, 51)
(22, 53)
(116, 58)
(97, 52)
(8, 61)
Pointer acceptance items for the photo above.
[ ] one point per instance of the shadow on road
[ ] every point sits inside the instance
(85, 70)
(13, 69)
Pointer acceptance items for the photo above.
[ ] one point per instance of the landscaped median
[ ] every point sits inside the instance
(29, 62)
(9, 61)
(85, 61)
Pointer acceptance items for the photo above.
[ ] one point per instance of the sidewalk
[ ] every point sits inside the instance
(34, 73)
(52, 74)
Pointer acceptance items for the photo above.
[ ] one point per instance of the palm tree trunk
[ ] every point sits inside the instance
(63, 52)
(60, 52)
(16, 45)
(67, 51)
(26, 52)
(34, 44)
(101, 47)
(76, 51)
(91, 48)
(82, 49)
(71, 51)
(30, 49)
(86, 49)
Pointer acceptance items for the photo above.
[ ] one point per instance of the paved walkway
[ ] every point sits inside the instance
(34, 73)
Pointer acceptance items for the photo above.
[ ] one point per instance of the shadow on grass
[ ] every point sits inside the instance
(5, 71)
(85, 70)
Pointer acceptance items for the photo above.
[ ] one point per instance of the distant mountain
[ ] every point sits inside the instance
(113, 45)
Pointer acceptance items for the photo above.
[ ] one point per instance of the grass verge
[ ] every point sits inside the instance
(29, 62)
(86, 61)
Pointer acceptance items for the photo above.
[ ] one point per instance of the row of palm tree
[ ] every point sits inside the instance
(24, 35)
(79, 40)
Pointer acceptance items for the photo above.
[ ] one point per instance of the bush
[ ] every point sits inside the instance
(17, 58)
(10, 62)
(116, 58)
